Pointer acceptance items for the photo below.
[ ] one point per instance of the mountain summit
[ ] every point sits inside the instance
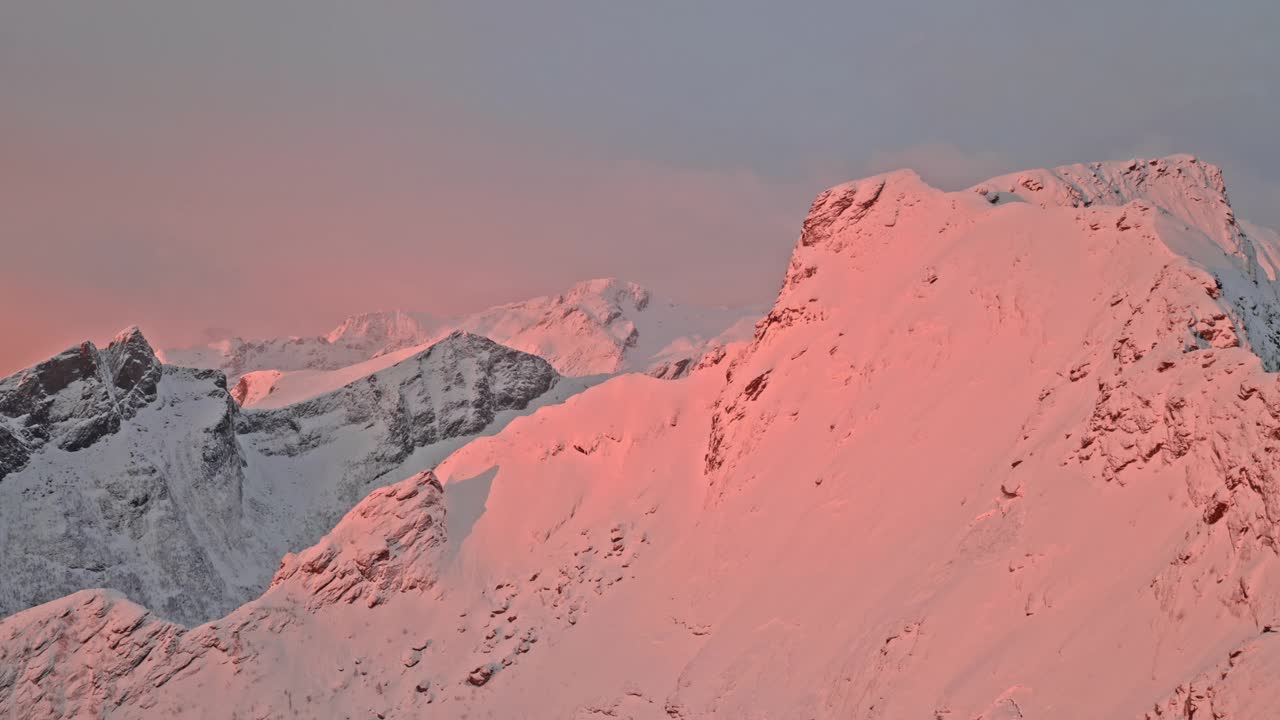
(383, 331)
(76, 398)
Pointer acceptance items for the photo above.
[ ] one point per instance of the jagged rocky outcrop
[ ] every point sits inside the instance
(388, 543)
(333, 449)
(455, 387)
(76, 398)
(1240, 685)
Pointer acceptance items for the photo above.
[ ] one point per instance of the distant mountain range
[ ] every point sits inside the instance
(597, 327)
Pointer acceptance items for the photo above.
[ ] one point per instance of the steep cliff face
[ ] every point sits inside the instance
(984, 458)
(310, 462)
(77, 398)
(455, 387)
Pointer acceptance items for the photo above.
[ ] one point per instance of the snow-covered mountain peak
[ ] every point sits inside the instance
(1183, 201)
(1181, 186)
(606, 326)
(608, 292)
(847, 214)
(253, 387)
(133, 367)
(591, 305)
(129, 334)
(76, 397)
(387, 330)
(880, 254)
(123, 365)
(1176, 207)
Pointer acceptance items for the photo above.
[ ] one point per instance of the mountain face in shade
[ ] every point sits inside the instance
(75, 399)
(129, 470)
(124, 473)
(311, 461)
(1001, 453)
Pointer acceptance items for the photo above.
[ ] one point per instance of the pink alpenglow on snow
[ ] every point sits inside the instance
(1006, 452)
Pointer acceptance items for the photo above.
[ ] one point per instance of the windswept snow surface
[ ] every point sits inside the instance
(986, 457)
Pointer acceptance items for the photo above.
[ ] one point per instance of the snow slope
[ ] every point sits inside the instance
(998, 460)
(148, 479)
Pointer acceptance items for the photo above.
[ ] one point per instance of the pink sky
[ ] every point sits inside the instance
(285, 227)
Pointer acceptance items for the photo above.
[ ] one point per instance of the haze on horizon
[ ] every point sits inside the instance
(273, 168)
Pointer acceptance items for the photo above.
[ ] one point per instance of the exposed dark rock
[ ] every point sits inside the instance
(13, 452)
(76, 398)
(481, 379)
(481, 675)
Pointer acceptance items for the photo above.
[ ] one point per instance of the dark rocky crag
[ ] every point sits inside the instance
(75, 398)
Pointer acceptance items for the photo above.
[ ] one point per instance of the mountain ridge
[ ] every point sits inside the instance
(148, 478)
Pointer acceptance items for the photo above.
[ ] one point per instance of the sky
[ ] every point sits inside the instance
(270, 168)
